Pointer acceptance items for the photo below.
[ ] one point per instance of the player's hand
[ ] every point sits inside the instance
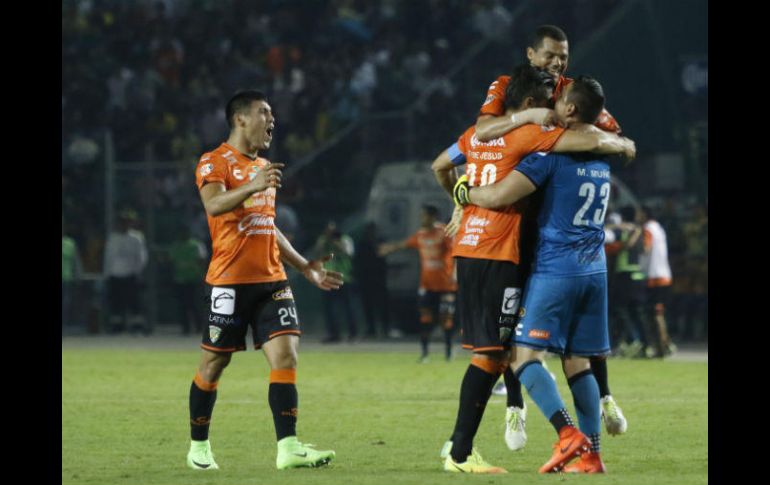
(454, 224)
(322, 277)
(542, 116)
(460, 191)
(268, 176)
(630, 149)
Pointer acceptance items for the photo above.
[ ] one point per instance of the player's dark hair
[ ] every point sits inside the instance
(431, 210)
(240, 102)
(550, 31)
(588, 96)
(528, 81)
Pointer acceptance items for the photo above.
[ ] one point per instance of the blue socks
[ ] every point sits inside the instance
(585, 392)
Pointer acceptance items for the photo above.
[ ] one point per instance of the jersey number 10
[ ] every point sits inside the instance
(488, 174)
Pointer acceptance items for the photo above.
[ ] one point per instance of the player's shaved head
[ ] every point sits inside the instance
(588, 97)
(549, 31)
(241, 102)
(528, 82)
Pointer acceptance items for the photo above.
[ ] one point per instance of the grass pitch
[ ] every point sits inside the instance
(125, 420)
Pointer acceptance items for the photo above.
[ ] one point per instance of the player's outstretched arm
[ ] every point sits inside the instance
(489, 127)
(390, 247)
(217, 199)
(513, 187)
(313, 270)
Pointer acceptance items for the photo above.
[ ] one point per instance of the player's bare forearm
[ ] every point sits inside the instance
(443, 170)
(385, 249)
(514, 187)
(217, 200)
(446, 179)
(289, 255)
(489, 127)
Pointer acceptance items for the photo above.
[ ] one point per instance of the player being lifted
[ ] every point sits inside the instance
(248, 284)
(487, 250)
(437, 282)
(549, 50)
(565, 299)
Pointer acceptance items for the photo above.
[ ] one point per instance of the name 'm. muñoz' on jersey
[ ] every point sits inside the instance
(574, 190)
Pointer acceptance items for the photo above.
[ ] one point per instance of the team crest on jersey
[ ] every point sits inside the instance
(207, 169)
(253, 173)
(283, 294)
(214, 333)
(238, 174)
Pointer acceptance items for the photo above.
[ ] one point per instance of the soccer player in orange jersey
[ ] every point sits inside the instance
(486, 246)
(437, 282)
(248, 285)
(549, 50)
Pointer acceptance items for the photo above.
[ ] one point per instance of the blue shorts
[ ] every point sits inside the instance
(564, 315)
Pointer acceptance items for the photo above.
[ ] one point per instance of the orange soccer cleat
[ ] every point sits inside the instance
(588, 463)
(570, 445)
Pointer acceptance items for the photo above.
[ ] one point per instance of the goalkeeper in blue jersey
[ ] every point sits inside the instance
(564, 307)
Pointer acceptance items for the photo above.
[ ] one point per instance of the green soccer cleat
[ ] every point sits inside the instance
(474, 463)
(293, 454)
(200, 457)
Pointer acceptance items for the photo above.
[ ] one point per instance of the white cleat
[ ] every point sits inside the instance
(613, 417)
(515, 421)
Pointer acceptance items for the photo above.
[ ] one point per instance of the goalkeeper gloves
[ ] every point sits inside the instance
(461, 191)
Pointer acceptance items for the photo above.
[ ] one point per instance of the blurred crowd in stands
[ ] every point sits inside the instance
(154, 75)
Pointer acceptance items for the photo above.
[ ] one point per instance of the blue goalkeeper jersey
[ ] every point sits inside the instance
(574, 190)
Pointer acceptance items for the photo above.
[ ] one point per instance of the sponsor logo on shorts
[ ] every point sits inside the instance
(221, 320)
(223, 301)
(506, 320)
(541, 334)
(511, 299)
(214, 333)
(283, 294)
(207, 169)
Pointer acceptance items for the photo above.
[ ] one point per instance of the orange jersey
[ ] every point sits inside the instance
(495, 103)
(436, 262)
(245, 247)
(487, 233)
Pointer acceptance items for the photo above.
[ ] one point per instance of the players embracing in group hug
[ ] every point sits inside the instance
(529, 248)
(531, 270)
